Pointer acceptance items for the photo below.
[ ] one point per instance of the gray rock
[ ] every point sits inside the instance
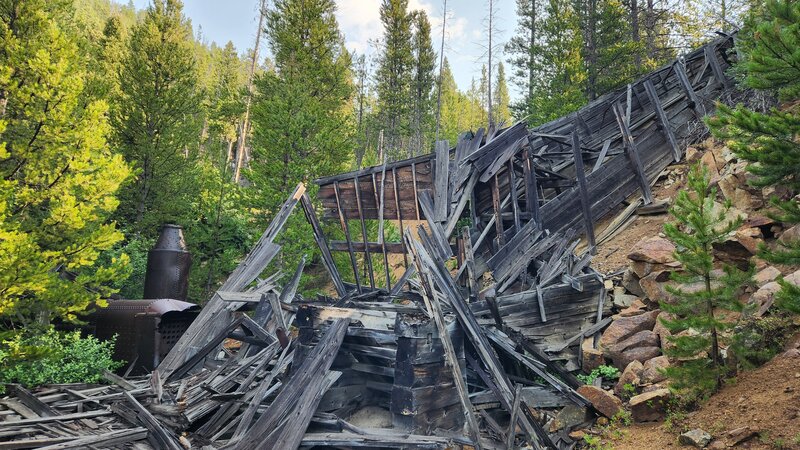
(696, 437)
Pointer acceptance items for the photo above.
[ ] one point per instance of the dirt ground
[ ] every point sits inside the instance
(766, 399)
(612, 255)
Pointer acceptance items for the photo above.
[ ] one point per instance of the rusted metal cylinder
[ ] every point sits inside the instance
(168, 265)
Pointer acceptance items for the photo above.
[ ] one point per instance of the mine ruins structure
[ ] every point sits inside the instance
(479, 354)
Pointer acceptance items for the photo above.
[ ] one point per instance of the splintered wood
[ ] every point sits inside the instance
(472, 342)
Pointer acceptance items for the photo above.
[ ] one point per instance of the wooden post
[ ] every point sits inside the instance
(441, 201)
(367, 256)
(381, 233)
(602, 155)
(399, 213)
(346, 229)
(498, 213)
(531, 188)
(688, 90)
(512, 183)
(633, 155)
(580, 175)
(711, 58)
(662, 119)
(319, 237)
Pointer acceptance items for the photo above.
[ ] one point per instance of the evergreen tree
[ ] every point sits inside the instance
(500, 109)
(525, 51)
(395, 74)
(460, 112)
(301, 122)
(422, 87)
(157, 117)
(58, 176)
(704, 296)
(769, 140)
(563, 74)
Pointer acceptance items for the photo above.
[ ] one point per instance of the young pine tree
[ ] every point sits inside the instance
(422, 86)
(705, 295)
(769, 140)
(58, 175)
(156, 120)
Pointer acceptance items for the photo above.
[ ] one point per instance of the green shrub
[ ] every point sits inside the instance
(606, 372)
(55, 357)
(758, 339)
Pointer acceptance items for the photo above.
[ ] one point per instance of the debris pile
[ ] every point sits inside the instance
(480, 354)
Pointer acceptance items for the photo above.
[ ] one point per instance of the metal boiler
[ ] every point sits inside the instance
(168, 265)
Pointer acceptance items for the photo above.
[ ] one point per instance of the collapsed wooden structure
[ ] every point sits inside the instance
(481, 354)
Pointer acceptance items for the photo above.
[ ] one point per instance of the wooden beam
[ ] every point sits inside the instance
(364, 235)
(602, 156)
(512, 182)
(399, 212)
(441, 200)
(346, 229)
(319, 237)
(633, 156)
(662, 119)
(711, 58)
(381, 230)
(531, 188)
(498, 213)
(588, 223)
(688, 90)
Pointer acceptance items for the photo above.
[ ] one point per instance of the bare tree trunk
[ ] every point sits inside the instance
(635, 29)
(441, 66)
(531, 54)
(489, 70)
(245, 123)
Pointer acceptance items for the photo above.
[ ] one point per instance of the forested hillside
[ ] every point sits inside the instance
(115, 121)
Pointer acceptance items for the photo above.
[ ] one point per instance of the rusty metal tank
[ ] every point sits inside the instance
(168, 265)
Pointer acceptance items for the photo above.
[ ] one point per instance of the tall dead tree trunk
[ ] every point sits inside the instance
(489, 70)
(244, 126)
(441, 66)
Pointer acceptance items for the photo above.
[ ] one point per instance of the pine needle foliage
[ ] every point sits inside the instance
(703, 295)
(770, 141)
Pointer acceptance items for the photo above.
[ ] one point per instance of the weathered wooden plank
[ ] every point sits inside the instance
(711, 58)
(662, 118)
(319, 237)
(441, 200)
(364, 236)
(381, 229)
(688, 90)
(633, 156)
(346, 229)
(580, 174)
(531, 188)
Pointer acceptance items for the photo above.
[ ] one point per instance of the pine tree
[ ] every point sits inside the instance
(395, 74)
(769, 141)
(302, 128)
(500, 110)
(58, 175)
(525, 52)
(704, 296)
(422, 86)
(157, 117)
(564, 74)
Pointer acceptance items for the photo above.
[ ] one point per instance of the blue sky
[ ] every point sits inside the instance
(236, 20)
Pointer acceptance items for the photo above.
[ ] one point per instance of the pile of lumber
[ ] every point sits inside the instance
(476, 344)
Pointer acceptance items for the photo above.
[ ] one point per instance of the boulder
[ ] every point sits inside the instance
(750, 238)
(636, 308)
(654, 286)
(790, 235)
(569, 417)
(622, 301)
(592, 358)
(763, 298)
(697, 437)
(644, 338)
(650, 406)
(693, 154)
(653, 250)
(631, 375)
(631, 283)
(739, 435)
(710, 161)
(766, 275)
(652, 370)
(626, 327)
(661, 330)
(640, 354)
(606, 404)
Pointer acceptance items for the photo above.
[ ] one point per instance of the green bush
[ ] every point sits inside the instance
(606, 372)
(55, 357)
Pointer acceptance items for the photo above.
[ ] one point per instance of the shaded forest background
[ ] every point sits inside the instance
(116, 121)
